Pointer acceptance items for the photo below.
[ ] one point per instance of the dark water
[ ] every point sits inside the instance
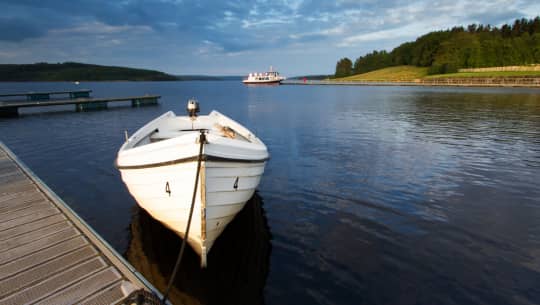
(373, 195)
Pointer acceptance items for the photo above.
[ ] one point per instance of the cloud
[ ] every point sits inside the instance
(95, 28)
(372, 36)
(18, 29)
(180, 35)
(255, 23)
(317, 35)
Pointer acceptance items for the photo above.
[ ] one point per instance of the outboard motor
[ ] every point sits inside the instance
(193, 108)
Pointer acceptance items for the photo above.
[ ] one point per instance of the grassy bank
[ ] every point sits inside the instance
(412, 73)
(392, 74)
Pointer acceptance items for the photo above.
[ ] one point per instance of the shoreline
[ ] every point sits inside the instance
(446, 82)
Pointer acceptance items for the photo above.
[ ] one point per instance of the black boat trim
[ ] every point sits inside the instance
(187, 160)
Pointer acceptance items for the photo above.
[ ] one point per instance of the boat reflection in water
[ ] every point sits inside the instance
(237, 265)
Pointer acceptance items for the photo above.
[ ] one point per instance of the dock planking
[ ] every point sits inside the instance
(48, 255)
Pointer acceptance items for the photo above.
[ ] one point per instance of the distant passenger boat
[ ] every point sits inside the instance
(159, 163)
(270, 77)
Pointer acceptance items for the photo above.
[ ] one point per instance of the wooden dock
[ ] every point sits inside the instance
(48, 255)
(10, 108)
(39, 96)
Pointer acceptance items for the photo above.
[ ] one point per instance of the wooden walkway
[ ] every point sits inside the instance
(48, 255)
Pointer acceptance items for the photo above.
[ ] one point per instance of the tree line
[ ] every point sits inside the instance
(475, 46)
(72, 71)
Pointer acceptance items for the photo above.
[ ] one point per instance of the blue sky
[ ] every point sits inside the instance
(230, 37)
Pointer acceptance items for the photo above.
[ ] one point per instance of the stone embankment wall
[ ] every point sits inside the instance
(535, 67)
(518, 81)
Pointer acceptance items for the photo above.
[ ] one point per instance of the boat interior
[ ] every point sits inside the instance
(175, 127)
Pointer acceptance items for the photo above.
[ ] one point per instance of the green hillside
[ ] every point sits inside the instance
(71, 71)
(448, 51)
(399, 73)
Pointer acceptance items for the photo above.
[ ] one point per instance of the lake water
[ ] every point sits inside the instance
(373, 195)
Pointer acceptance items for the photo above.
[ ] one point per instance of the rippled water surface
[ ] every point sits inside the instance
(373, 195)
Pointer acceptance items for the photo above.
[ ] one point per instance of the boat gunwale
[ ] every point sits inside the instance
(190, 159)
(131, 144)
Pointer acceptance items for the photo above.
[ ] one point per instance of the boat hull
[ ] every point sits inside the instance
(249, 82)
(165, 192)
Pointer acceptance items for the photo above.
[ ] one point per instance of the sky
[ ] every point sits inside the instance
(230, 37)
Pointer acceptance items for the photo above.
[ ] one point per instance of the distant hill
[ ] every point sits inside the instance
(475, 46)
(72, 71)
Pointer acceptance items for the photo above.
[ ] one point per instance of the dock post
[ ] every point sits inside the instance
(9, 112)
(143, 102)
(38, 96)
(79, 107)
(78, 94)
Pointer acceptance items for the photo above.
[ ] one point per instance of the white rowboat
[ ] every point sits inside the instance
(158, 164)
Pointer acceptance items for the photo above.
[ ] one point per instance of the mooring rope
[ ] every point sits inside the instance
(202, 141)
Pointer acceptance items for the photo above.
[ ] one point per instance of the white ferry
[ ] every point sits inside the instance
(270, 77)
